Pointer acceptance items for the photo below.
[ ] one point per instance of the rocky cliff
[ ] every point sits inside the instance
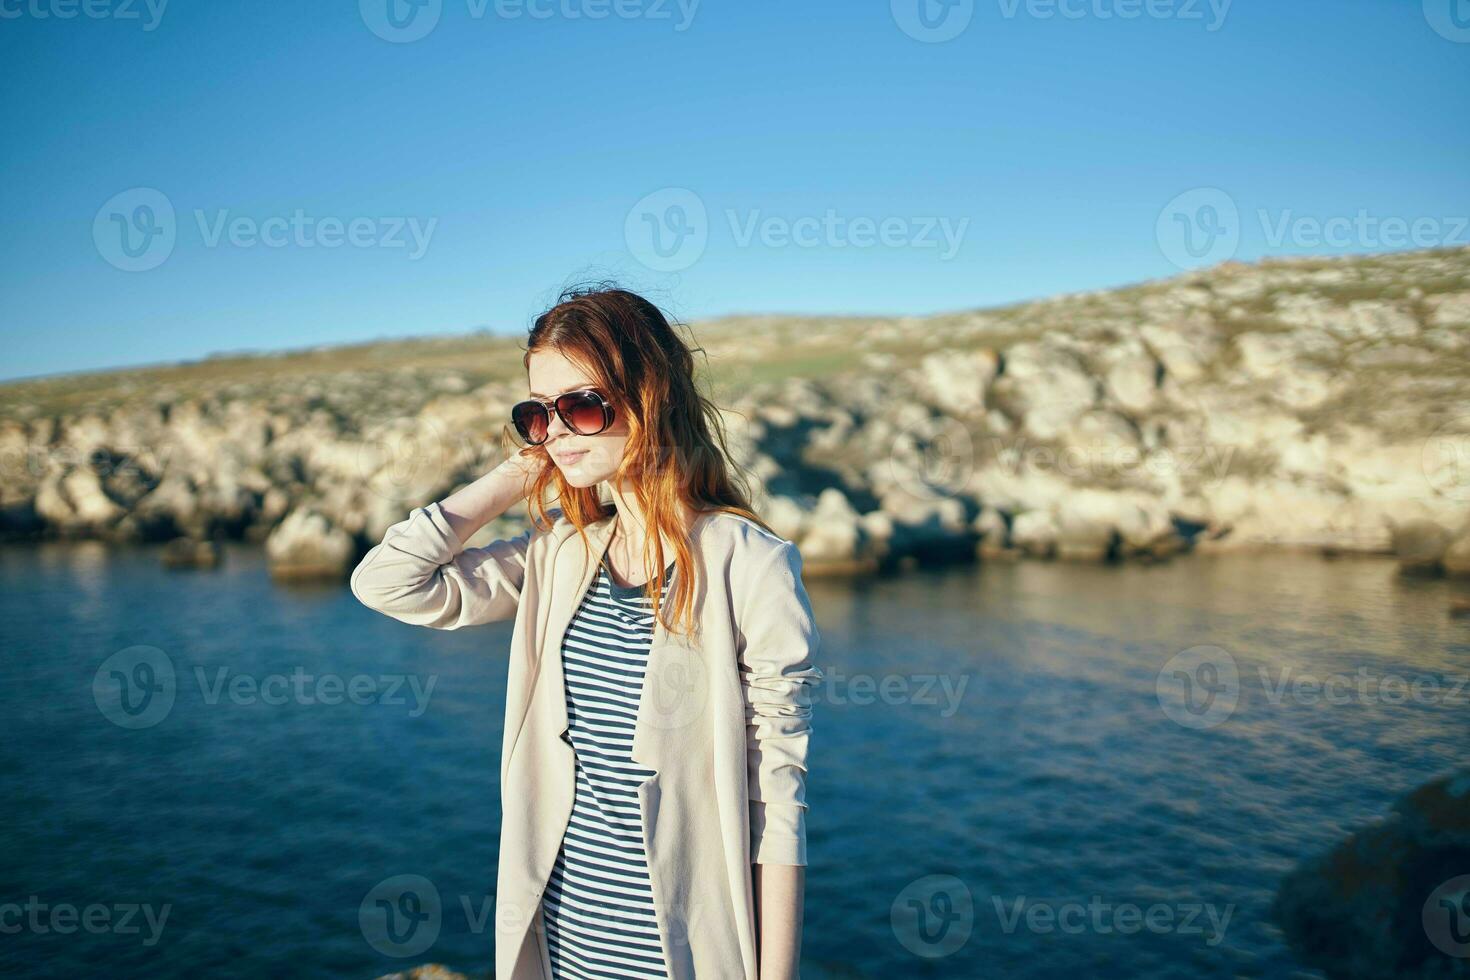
(1304, 402)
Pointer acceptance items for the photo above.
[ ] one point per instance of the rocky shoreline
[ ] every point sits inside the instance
(1318, 403)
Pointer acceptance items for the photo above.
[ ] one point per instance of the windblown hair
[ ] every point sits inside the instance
(676, 450)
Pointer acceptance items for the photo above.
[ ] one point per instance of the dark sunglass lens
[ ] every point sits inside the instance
(530, 421)
(583, 412)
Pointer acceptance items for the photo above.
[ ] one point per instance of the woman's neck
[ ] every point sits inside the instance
(630, 526)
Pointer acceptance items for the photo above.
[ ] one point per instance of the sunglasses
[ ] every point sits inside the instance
(584, 411)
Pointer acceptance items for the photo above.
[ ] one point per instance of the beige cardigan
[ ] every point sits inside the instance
(724, 720)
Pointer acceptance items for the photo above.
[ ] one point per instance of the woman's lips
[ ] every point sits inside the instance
(566, 459)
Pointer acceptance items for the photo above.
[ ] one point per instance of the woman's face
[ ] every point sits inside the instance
(584, 461)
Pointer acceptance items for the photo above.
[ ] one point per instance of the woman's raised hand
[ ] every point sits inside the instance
(471, 508)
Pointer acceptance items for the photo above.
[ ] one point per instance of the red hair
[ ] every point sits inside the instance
(676, 450)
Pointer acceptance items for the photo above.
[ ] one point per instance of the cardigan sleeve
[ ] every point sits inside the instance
(779, 640)
(422, 574)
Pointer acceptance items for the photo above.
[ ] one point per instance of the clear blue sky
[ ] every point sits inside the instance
(527, 141)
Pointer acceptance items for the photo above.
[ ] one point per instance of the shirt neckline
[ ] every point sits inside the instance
(629, 591)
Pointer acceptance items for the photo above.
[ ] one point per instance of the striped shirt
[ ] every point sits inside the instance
(598, 906)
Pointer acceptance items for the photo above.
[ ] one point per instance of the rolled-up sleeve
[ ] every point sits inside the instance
(422, 574)
(779, 641)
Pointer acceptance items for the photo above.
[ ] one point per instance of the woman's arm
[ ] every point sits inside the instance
(471, 508)
(422, 574)
(778, 641)
(778, 899)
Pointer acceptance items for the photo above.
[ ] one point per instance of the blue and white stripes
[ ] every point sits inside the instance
(598, 906)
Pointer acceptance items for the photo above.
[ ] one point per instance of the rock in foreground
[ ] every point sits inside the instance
(433, 971)
(1393, 900)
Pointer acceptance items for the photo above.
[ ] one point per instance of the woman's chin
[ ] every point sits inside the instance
(578, 479)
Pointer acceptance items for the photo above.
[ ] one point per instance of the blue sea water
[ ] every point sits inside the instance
(998, 787)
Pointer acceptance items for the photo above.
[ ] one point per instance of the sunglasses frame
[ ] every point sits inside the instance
(549, 405)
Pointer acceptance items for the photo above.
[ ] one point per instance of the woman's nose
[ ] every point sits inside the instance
(555, 426)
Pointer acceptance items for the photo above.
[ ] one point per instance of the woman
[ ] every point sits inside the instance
(658, 705)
